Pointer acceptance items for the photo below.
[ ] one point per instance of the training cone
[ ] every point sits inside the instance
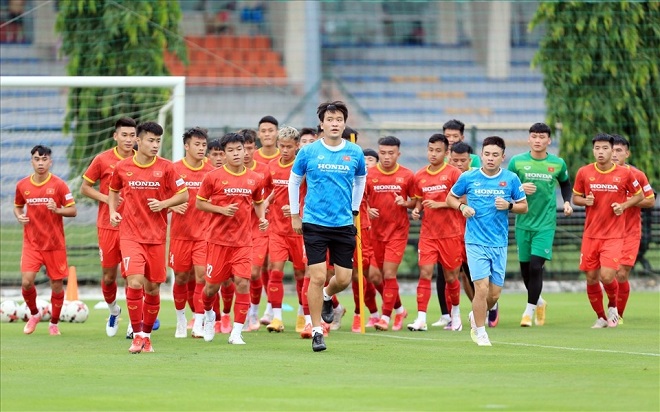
(72, 285)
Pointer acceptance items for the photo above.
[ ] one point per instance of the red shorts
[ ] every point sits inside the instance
(109, 249)
(184, 254)
(448, 251)
(259, 250)
(388, 251)
(367, 250)
(597, 253)
(144, 259)
(630, 250)
(224, 261)
(54, 260)
(282, 248)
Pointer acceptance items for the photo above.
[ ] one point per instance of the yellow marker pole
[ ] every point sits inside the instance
(358, 248)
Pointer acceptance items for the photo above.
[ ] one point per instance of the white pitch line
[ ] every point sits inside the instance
(525, 344)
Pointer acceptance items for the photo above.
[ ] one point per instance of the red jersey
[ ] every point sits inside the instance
(222, 187)
(260, 169)
(608, 187)
(393, 222)
(278, 183)
(100, 170)
(365, 221)
(633, 214)
(191, 225)
(260, 157)
(443, 222)
(139, 183)
(45, 230)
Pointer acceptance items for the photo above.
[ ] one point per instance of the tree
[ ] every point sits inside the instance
(114, 38)
(601, 72)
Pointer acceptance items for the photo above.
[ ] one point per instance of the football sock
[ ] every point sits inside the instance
(612, 290)
(454, 291)
(30, 297)
(135, 304)
(56, 300)
(421, 316)
(180, 294)
(109, 292)
(595, 294)
(423, 295)
(198, 300)
(622, 297)
(276, 290)
(150, 312)
(255, 292)
(529, 310)
(227, 294)
(390, 292)
(241, 305)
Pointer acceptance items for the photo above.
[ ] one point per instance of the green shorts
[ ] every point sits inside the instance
(534, 242)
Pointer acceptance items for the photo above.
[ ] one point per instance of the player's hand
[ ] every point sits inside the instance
(617, 208)
(121, 199)
(415, 214)
(296, 224)
(568, 210)
(286, 210)
(468, 212)
(180, 209)
(590, 199)
(263, 224)
(399, 200)
(529, 188)
(230, 210)
(432, 204)
(155, 205)
(501, 204)
(23, 219)
(373, 213)
(52, 206)
(115, 219)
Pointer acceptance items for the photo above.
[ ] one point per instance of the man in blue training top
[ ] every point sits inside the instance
(335, 172)
(491, 193)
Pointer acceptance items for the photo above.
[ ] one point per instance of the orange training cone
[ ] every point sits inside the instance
(72, 285)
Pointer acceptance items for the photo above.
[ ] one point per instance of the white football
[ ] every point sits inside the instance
(75, 311)
(24, 312)
(8, 311)
(44, 309)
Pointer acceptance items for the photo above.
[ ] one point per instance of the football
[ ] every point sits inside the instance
(8, 311)
(23, 312)
(44, 309)
(75, 311)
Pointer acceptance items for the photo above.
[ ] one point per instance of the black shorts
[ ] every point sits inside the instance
(339, 241)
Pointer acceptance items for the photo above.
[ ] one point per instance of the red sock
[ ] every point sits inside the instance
(208, 301)
(397, 302)
(276, 288)
(299, 286)
(265, 278)
(192, 284)
(216, 306)
(355, 285)
(335, 301)
(423, 294)
(56, 300)
(30, 297)
(109, 292)
(305, 303)
(622, 296)
(227, 293)
(612, 289)
(241, 306)
(370, 296)
(150, 312)
(595, 294)
(199, 302)
(379, 287)
(135, 304)
(255, 291)
(180, 294)
(448, 301)
(453, 289)
(391, 292)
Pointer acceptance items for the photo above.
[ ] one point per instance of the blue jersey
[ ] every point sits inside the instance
(330, 175)
(488, 226)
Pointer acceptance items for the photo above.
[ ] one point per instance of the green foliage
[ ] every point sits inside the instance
(601, 66)
(114, 38)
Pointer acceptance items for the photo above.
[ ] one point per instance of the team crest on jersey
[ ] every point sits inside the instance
(591, 179)
(51, 191)
(423, 181)
(399, 180)
(129, 173)
(502, 184)
(112, 166)
(27, 192)
(224, 182)
(347, 158)
(616, 179)
(477, 184)
(551, 169)
(320, 157)
(158, 173)
(250, 181)
(183, 176)
(374, 180)
(527, 167)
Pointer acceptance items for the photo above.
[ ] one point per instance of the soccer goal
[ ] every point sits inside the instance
(33, 112)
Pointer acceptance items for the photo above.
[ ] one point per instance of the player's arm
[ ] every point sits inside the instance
(648, 202)
(113, 204)
(619, 208)
(21, 217)
(180, 197)
(455, 203)
(566, 194)
(294, 202)
(579, 199)
(260, 211)
(87, 189)
(66, 211)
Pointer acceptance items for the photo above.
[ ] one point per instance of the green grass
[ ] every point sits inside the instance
(564, 365)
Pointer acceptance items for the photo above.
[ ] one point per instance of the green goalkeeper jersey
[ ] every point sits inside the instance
(545, 173)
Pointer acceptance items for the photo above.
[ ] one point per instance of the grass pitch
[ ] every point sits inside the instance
(563, 365)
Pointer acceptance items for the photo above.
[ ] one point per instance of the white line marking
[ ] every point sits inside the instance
(525, 344)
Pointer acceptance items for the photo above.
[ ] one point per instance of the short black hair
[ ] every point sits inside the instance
(41, 150)
(603, 137)
(214, 145)
(461, 147)
(195, 132)
(389, 141)
(348, 131)
(454, 124)
(125, 122)
(439, 137)
(308, 130)
(540, 128)
(231, 138)
(494, 140)
(249, 135)
(620, 140)
(336, 106)
(370, 152)
(149, 127)
(269, 119)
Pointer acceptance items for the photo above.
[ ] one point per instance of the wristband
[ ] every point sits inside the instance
(459, 207)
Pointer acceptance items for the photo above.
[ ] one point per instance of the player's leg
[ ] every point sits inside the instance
(227, 291)
(629, 253)
(155, 274)
(524, 246)
(110, 254)
(394, 251)
(57, 269)
(316, 246)
(200, 282)
(480, 271)
(589, 264)
(440, 285)
(609, 265)
(535, 305)
(275, 293)
(218, 269)
(299, 260)
(256, 288)
(451, 259)
(180, 261)
(31, 261)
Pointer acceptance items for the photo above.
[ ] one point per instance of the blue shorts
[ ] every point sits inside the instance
(486, 262)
